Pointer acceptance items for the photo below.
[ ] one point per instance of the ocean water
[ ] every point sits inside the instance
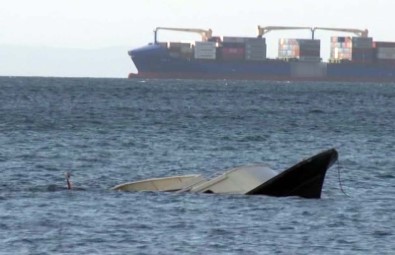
(110, 131)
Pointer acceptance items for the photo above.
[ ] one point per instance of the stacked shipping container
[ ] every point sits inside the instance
(232, 48)
(228, 49)
(385, 52)
(205, 50)
(243, 48)
(355, 49)
(255, 49)
(303, 49)
(179, 49)
(362, 50)
(340, 48)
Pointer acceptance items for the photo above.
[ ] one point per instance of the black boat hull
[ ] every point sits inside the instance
(304, 179)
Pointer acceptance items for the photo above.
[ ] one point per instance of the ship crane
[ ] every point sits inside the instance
(206, 34)
(358, 32)
(265, 30)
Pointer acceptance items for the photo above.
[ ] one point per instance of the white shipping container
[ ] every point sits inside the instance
(211, 51)
(335, 51)
(386, 53)
(340, 53)
(344, 56)
(205, 50)
(205, 56)
(202, 45)
(198, 54)
(287, 54)
(199, 47)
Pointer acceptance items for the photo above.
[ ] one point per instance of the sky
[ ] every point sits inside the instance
(90, 38)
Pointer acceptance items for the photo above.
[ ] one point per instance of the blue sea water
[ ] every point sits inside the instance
(110, 131)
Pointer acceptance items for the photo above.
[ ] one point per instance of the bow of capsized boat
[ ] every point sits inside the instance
(304, 179)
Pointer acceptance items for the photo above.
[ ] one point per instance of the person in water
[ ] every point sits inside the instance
(68, 175)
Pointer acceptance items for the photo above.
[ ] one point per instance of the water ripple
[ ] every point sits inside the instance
(109, 131)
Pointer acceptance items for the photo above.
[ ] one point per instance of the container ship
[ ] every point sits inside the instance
(356, 58)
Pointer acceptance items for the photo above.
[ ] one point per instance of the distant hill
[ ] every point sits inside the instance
(65, 62)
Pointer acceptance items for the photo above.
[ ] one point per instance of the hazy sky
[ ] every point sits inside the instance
(91, 37)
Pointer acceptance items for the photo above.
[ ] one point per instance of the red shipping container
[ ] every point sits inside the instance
(232, 53)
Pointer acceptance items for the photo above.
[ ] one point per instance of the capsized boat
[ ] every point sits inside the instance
(304, 179)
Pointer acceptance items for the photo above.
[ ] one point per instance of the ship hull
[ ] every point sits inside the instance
(155, 62)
